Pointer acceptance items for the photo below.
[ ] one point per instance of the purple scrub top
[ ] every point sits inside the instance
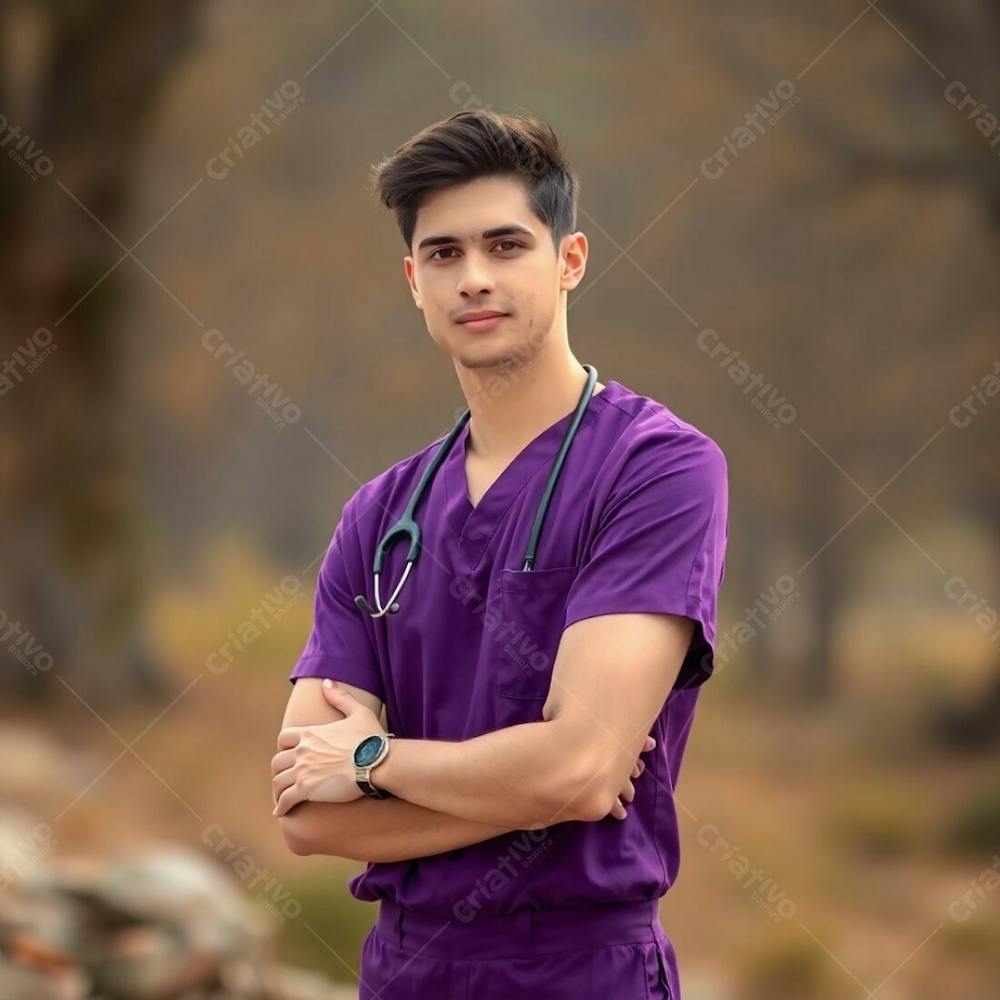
(638, 523)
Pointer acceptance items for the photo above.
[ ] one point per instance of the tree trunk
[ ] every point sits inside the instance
(72, 591)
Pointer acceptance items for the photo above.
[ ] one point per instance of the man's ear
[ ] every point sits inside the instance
(409, 272)
(573, 261)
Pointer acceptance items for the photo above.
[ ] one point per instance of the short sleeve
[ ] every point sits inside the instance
(660, 544)
(341, 644)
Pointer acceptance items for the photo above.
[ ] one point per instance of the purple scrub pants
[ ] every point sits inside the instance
(610, 952)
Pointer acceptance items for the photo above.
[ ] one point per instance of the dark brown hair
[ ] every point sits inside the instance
(473, 144)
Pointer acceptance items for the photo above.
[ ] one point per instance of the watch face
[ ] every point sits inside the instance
(367, 750)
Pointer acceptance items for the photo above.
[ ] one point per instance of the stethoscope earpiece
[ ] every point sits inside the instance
(406, 525)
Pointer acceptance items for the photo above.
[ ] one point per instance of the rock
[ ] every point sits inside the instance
(24, 983)
(163, 923)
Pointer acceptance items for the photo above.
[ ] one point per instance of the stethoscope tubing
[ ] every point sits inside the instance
(407, 525)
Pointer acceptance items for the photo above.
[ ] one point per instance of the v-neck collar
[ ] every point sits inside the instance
(474, 526)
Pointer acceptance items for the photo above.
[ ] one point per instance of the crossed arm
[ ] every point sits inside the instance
(367, 829)
(611, 676)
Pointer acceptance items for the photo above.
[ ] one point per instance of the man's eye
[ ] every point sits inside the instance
(441, 250)
(512, 243)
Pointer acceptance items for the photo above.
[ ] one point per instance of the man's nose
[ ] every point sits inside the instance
(475, 277)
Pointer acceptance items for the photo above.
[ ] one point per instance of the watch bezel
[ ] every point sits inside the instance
(380, 740)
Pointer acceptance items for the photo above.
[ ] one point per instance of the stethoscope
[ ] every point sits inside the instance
(407, 526)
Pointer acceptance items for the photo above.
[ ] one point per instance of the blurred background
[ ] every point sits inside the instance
(208, 344)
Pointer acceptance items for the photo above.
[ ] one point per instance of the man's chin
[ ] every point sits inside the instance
(488, 351)
(497, 359)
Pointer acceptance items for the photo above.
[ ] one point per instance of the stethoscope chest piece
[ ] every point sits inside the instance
(404, 526)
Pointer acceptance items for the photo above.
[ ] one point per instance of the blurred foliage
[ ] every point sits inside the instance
(977, 939)
(788, 969)
(331, 928)
(974, 828)
(877, 823)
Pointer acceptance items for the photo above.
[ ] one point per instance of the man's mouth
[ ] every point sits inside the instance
(481, 320)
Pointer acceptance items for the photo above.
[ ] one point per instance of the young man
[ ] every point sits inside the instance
(509, 850)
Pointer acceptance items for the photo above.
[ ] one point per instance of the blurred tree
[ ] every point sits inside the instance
(859, 142)
(79, 83)
(964, 45)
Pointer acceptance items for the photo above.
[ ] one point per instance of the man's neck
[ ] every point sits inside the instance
(513, 405)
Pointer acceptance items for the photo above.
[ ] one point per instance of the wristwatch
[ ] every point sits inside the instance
(368, 754)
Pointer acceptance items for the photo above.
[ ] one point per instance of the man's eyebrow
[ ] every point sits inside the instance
(510, 229)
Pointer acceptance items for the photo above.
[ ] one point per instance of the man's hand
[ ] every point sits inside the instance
(627, 794)
(316, 763)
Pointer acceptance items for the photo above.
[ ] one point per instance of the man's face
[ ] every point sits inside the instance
(478, 247)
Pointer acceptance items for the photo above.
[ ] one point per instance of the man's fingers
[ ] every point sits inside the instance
(282, 760)
(291, 796)
(649, 744)
(280, 782)
(340, 697)
(618, 810)
(289, 737)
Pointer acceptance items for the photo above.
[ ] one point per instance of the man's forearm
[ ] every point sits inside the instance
(522, 777)
(379, 830)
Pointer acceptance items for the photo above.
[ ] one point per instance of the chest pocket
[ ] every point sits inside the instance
(530, 610)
